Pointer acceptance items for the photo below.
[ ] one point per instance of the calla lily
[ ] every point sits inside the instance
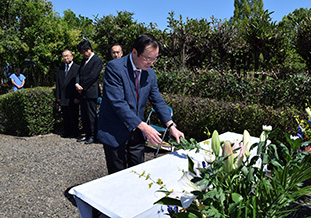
(227, 152)
(247, 141)
(216, 143)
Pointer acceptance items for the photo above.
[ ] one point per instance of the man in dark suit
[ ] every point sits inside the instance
(67, 95)
(87, 86)
(128, 83)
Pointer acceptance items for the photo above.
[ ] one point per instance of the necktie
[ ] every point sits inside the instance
(66, 70)
(137, 82)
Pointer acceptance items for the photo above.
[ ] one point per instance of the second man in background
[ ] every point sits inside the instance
(87, 86)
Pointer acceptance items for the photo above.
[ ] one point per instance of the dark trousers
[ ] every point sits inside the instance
(71, 119)
(128, 154)
(89, 116)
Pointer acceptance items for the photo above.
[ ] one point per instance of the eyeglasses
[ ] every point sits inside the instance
(150, 60)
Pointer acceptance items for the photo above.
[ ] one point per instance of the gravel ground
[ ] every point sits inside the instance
(36, 173)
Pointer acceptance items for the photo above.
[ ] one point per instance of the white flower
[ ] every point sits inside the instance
(247, 141)
(186, 184)
(209, 156)
(267, 128)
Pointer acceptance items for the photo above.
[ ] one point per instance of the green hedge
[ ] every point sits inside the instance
(28, 112)
(194, 116)
(33, 111)
(228, 86)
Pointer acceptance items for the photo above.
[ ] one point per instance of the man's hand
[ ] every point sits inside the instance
(76, 101)
(79, 88)
(152, 135)
(174, 131)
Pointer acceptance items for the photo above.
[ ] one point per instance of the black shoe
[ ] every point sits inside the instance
(65, 136)
(81, 139)
(90, 140)
(76, 136)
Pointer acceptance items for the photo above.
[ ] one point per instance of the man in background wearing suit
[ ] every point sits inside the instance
(128, 83)
(67, 95)
(116, 51)
(87, 86)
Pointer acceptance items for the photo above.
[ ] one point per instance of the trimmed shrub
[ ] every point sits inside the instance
(28, 112)
(195, 116)
(228, 86)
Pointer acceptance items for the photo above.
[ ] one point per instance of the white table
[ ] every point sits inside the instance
(124, 194)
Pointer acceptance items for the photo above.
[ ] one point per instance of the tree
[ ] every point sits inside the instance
(122, 29)
(265, 41)
(245, 9)
(294, 26)
(33, 38)
(188, 43)
(84, 24)
(303, 41)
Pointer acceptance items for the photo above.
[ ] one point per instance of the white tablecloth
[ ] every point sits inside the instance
(124, 194)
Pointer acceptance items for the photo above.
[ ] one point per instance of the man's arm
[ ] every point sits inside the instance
(93, 74)
(22, 84)
(12, 80)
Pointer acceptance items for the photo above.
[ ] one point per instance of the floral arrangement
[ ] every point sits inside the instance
(231, 184)
(304, 130)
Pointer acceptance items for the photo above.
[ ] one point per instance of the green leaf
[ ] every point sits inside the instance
(168, 201)
(190, 164)
(236, 197)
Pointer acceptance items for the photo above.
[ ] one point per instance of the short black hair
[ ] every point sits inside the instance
(142, 41)
(18, 70)
(114, 44)
(84, 46)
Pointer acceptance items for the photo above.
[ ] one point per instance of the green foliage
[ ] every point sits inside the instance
(33, 37)
(122, 29)
(230, 87)
(28, 112)
(194, 115)
(303, 41)
(250, 191)
(245, 9)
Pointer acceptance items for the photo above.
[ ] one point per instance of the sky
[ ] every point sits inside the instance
(157, 11)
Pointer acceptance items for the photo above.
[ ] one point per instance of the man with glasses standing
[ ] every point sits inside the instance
(128, 83)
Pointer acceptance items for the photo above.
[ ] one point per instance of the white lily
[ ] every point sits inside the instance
(264, 135)
(238, 155)
(266, 128)
(186, 197)
(215, 143)
(247, 141)
(308, 111)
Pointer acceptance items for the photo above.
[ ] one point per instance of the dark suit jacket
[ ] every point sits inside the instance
(120, 112)
(88, 77)
(65, 86)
